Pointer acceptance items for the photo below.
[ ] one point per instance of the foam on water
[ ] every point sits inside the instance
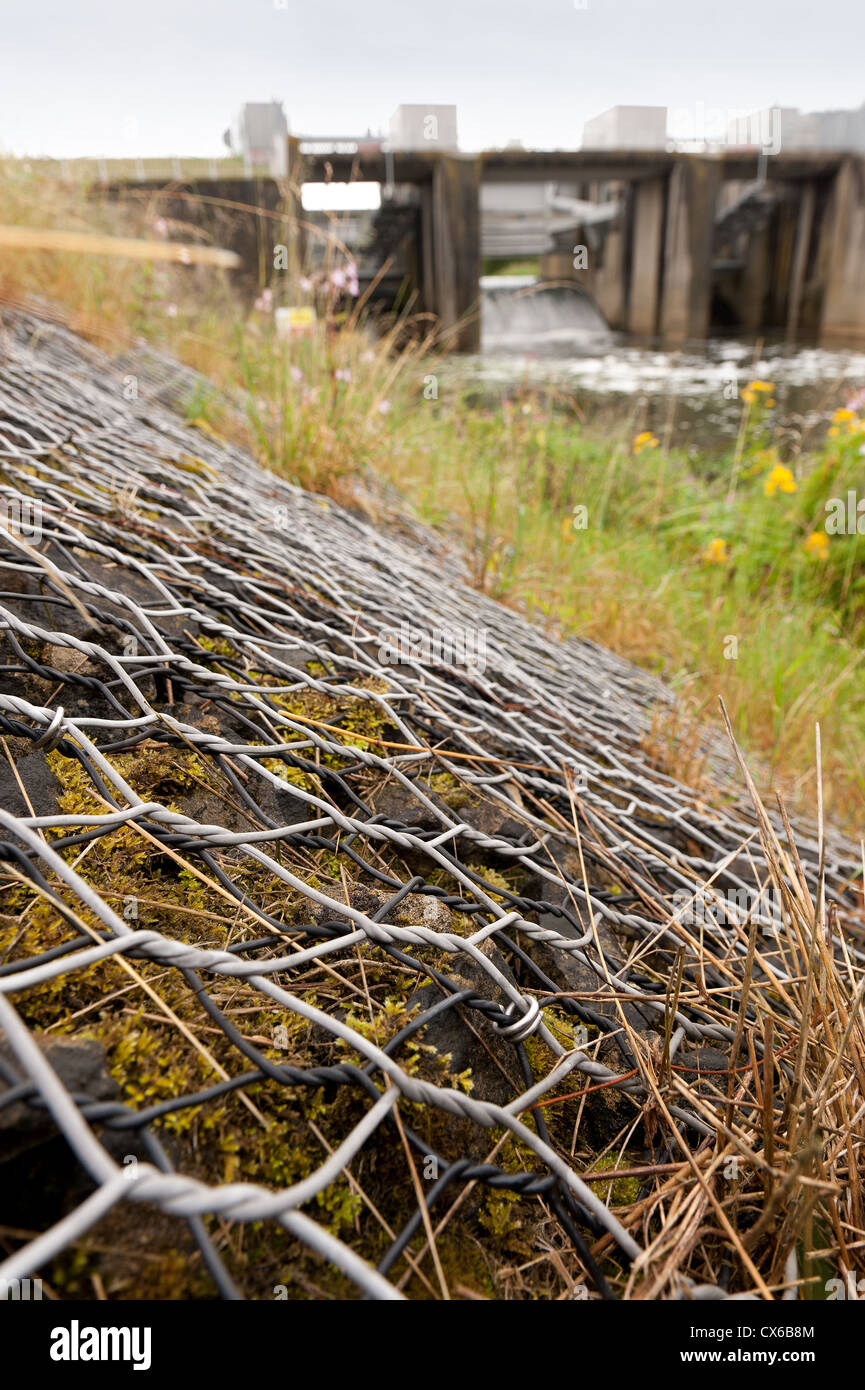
(557, 334)
(536, 336)
(519, 315)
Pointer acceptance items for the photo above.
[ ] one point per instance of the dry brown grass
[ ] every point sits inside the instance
(776, 1198)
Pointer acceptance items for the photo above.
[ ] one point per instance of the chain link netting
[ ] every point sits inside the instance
(393, 773)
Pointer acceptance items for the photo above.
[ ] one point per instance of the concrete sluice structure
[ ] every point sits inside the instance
(672, 264)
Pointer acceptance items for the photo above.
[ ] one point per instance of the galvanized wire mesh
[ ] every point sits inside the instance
(179, 597)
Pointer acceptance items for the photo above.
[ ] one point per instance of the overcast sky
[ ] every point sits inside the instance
(106, 77)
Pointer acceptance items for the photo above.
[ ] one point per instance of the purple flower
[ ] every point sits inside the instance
(342, 374)
(296, 373)
(345, 278)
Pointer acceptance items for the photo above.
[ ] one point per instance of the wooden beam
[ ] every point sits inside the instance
(844, 298)
(692, 195)
(647, 245)
(293, 207)
(571, 166)
(456, 235)
(800, 259)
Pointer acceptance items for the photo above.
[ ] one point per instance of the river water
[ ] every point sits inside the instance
(535, 339)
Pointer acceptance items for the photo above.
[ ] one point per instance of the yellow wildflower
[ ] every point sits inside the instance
(817, 545)
(846, 418)
(646, 440)
(716, 552)
(755, 389)
(780, 479)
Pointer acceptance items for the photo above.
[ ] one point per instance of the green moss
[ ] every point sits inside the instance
(220, 646)
(499, 1213)
(625, 1190)
(457, 795)
(494, 879)
(565, 1028)
(271, 1134)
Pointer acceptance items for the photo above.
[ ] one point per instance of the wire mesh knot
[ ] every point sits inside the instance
(54, 734)
(523, 1027)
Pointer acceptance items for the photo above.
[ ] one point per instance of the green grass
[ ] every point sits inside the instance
(708, 580)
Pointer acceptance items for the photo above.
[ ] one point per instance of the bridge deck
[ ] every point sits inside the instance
(527, 166)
